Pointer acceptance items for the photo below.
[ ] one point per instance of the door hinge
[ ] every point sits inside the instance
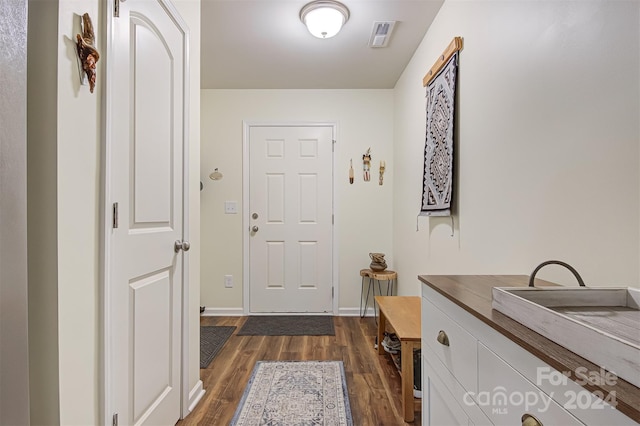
(114, 422)
(116, 8)
(333, 219)
(332, 292)
(333, 146)
(115, 215)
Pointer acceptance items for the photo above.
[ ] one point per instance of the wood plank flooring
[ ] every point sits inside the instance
(372, 380)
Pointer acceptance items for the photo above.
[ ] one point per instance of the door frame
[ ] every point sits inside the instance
(246, 127)
(108, 116)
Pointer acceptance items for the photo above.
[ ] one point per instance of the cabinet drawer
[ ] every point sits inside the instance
(459, 351)
(434, 373)
(442, 407)
(505, 395)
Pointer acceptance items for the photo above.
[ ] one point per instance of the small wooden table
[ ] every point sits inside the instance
(389, 276)
(403, 315)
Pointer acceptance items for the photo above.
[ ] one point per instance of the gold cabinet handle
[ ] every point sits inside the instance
(443, 339)
(529, 420)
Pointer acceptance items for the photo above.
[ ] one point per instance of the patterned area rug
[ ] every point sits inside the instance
(288, 325)
(295, 393)
(212, 339)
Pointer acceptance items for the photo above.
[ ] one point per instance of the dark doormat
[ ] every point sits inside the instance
(212, 339)
(294, 325)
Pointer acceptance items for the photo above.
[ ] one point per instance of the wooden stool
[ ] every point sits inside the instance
(389, 276)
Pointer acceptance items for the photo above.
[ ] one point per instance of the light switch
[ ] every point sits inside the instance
(230, 207)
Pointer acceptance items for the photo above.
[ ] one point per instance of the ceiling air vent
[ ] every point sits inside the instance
(381, 33)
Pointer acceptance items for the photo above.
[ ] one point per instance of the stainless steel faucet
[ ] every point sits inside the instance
(556, 262)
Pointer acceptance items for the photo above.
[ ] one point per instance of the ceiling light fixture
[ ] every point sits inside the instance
(324, 18)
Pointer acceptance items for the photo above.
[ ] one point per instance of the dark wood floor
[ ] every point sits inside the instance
(372, 380)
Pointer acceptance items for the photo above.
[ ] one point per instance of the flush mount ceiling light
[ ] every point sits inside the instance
(324, 18)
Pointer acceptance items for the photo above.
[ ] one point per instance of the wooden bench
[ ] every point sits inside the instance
(402, 314)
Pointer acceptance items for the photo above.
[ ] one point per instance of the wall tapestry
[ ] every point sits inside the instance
(438, 152)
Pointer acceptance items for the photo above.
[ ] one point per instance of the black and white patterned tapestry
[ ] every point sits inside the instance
(438, 151)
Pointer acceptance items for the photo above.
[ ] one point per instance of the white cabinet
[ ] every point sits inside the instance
(454, 347)
(449, 371)
(480, 377)
(506, 395)
(441, 408)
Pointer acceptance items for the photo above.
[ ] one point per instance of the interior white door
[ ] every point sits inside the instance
(146, 138)
(290, 218)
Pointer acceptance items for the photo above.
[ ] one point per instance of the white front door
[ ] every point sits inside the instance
(145, 176)
(290, 218)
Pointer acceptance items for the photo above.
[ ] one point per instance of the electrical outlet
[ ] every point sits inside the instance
(228, 281)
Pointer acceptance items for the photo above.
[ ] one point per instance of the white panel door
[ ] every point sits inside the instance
(290, 217)
(147, 140)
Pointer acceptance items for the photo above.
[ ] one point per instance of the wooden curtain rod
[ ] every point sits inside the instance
(454, 46)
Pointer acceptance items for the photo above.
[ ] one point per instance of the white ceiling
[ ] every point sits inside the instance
(262, 44)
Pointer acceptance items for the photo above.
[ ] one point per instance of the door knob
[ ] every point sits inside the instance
(181, 245)
(254, 228)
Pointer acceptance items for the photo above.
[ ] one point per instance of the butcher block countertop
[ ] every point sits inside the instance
(473, 294)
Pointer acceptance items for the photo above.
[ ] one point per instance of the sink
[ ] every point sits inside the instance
(601, 324)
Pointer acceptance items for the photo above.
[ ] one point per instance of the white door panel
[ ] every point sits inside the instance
(290, 191)
(152, 335)
(146, 180)
(152, 150)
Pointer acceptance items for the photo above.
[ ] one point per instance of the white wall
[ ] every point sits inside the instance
(363, 210)
(547, 143)
(14, 356)
(64, 213)
(78, 207)
(42, 215)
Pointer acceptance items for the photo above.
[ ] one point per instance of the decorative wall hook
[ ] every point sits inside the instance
(366, 165)
(351, 171)
(383, 165)
(87, 52)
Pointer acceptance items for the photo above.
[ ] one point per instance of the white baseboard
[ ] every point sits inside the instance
(196, 395)
(354, 312)
(223, 312)
(239, 312)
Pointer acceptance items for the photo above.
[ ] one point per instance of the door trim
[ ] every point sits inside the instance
(246, 127)
(105, 345)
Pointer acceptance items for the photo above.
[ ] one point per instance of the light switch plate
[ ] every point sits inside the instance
(230, 207)
(228, 281)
